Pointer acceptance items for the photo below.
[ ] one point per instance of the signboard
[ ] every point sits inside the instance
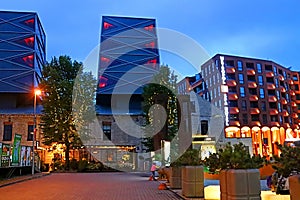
(23, 156)
(0, 152)
(16, 150)
(5, 155)
(28, 152)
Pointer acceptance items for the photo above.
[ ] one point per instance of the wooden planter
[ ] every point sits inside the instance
(240, 184)
(175, 177)
(193, 181)
(294, 185)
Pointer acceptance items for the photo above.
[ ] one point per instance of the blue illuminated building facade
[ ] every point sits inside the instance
(22, 55)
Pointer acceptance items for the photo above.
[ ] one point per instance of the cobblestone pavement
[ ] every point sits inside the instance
(98, 186)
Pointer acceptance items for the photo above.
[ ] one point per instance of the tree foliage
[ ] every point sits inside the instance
(163, 87)
(233, 157)
(57, 120)
(288, 161)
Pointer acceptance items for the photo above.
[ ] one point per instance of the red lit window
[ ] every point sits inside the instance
(153, 61)
(28, 60)
(104, 59)
(29, 21)
(149, 28)
(102, 81)
(150, 45)
(29, 41)
(107, 25)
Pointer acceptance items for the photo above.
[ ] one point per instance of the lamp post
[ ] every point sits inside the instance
(36, 92)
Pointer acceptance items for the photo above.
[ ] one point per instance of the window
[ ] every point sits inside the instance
(255, 117)
(244, 105)
(258, 66)
(265, 119)
(278, 95)
(263, 106)
(7, 134)
(260, 80)
(234, 117)
(279, 107)
(233, 104)
(106, 127)
(30, 132)
(240, 65)
(241, 78)
(245, 119)
(204, 127)
(261, 93)
(295, 78)
(276, 83)
(242, 91)
(275, 70)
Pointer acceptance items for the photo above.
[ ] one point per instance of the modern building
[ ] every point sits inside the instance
(129, 58)
(260, 100)
(22, 55)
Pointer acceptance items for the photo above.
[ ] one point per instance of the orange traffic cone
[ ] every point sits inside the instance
(150, 178)
(162, 186)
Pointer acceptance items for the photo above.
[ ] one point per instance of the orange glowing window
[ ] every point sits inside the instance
(149, 28)
(107, 25)
(29, 41)
(28, 60)
(102, 81)
(150, 45)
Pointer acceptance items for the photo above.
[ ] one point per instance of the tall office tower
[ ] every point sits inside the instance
(259, 99)
(129, 58)
(22, 54)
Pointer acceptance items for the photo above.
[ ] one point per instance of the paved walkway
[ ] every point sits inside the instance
(106, 186)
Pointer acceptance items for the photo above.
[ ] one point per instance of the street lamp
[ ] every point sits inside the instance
(36, 92)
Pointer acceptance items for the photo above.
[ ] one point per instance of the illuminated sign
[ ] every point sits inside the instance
(223, 76)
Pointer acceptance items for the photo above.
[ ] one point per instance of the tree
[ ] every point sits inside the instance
(57, 120)
(161, 91)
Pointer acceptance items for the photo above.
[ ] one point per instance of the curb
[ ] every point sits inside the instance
(22, 179)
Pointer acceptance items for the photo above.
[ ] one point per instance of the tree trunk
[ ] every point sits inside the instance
(67, 156)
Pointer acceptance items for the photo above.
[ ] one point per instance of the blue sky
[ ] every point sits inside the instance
(261, 29)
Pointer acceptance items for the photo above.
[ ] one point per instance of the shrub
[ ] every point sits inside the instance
(73, 164)
(190, 157)
(233, 157)
(82, 165)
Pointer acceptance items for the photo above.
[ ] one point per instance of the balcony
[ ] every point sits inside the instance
(292, 92)
(230, 70)
(231, 82)
(232, 96)
(291, 82)
(255, 123)
(272, 99)
(234, 110)
(280, 77)
(270, 86)
(285, 113)
(294, 115)
(269, 74)
(234, 123)
(275, 124)
(254, 111)
(282, 89)
(250, 72)
(197, 83)
(283, 101)
(253, 98)
(293, 104)
(273, 111)
(252, 84)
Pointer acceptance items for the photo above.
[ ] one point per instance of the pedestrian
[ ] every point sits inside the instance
(153, 169)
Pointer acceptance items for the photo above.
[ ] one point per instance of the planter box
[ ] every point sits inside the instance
(243, 184)
(294, 185)
(175, 177)
(193, 181)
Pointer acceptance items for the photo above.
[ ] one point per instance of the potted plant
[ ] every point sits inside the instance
(238, 169)
(187, 173)
(287, 166)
